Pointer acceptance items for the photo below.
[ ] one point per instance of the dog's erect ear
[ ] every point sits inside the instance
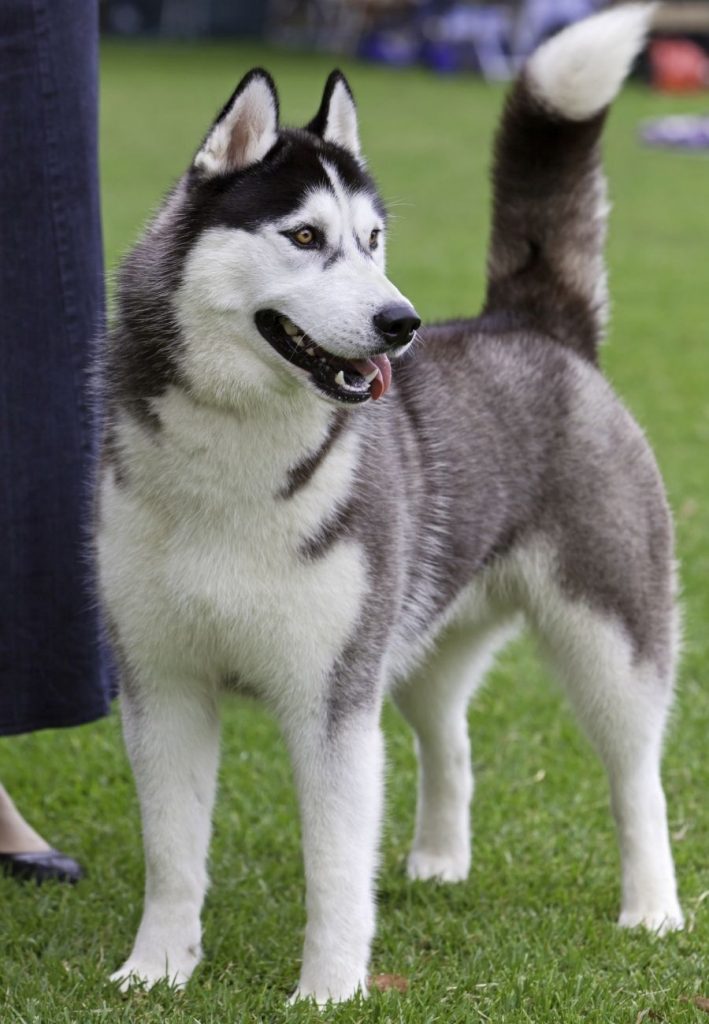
(336, 120)
(246, 128)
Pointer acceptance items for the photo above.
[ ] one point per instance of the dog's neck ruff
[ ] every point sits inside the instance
(246, 455)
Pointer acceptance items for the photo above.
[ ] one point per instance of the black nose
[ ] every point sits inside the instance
(396, 323)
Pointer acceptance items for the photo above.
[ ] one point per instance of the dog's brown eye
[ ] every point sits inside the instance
(304, 236)
(374, 238)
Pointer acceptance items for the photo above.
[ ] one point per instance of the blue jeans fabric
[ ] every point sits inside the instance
(52, 670)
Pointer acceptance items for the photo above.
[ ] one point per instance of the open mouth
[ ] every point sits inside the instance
(346, 380)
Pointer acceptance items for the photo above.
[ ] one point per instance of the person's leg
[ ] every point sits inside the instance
(52, 670)
(16, 834)
(51, 297)
(25, 855)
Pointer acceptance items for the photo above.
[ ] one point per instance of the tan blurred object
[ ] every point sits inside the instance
(681, 17)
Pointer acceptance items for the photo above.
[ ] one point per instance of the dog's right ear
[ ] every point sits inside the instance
(245, 130)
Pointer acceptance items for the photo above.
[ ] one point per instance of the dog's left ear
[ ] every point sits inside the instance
(336, 120)
(245, 130)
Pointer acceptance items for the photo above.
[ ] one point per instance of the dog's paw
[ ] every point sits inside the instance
(323, 998)
(660, 922)
(144, 974)
(444, 867)
(300, 995)
(324, 992)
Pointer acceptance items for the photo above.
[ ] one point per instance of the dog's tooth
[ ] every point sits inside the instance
(340, 379)
(289, 327)
(298, 340)
(310, 351)
(370, 376)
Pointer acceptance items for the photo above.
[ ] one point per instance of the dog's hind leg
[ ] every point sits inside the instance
(172, 736)
(434, 701)
(622, 699)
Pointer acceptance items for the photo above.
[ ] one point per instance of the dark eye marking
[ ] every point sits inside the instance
(334, 256)
(372, 242)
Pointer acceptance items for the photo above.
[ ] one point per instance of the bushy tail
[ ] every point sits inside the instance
(545, 265)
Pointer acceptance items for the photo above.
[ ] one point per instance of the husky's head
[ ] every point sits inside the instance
(282, 281)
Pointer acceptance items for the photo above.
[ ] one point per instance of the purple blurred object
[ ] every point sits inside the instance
(469, 37)
(459, 37)
(396, 47)
(681, 131)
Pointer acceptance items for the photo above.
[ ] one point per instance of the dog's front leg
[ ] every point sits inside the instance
(339, 775)
(171, 731)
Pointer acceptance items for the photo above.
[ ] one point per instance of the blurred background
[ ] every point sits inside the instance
(428, 76)
(445, 35)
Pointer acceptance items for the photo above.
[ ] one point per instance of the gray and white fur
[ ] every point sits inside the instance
(266, 525)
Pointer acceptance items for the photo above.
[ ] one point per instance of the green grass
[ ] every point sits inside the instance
(531, 936)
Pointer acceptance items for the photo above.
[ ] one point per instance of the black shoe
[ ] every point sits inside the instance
(41, 867)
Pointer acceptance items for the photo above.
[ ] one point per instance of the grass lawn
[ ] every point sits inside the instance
(531, 936)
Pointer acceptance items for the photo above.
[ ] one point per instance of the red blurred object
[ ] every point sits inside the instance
(678, 65)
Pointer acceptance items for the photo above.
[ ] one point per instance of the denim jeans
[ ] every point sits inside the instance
(52, 670)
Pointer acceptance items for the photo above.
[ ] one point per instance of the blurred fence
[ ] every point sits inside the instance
(185, 18)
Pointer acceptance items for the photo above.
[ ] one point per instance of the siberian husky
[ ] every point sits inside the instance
(283, 515)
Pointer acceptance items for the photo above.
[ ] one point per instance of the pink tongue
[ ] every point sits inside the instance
(380, 384)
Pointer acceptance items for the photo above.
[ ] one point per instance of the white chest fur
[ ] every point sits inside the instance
(201, 554)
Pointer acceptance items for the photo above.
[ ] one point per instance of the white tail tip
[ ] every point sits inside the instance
(579, 71)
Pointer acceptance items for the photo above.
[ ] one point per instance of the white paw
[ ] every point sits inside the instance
(300, 994)
(176, 971)
(334, 992)
(445, 867)
(661, 922)
(323, 996)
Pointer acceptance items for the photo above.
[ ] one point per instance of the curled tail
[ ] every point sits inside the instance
(545, 265)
